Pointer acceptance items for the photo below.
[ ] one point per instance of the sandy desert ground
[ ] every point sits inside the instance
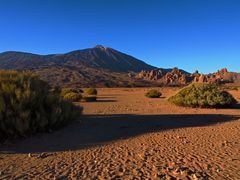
(125, 135)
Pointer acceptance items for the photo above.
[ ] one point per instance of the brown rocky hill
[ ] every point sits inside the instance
(220, 77)
(104, 67)
(99, 66)
(97, 57)
(180, 77)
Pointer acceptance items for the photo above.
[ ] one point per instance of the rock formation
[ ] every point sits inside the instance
(179, 77)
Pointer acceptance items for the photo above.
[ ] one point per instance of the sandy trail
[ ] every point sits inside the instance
(127, 136)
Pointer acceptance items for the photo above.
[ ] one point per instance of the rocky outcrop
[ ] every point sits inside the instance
(171, 77)
(176, 77)
(154, 74)
(220, 77)
(179, 77)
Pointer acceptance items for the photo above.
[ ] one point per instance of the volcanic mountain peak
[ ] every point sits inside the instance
(101, 47)
(103, 66)
(98, 57)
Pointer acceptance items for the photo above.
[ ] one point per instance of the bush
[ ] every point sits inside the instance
(65, 91)
(203, 95)
(153, 93)
(27, 105)
(89, 98)
(225, 88)
(91, 91)
(74, 97)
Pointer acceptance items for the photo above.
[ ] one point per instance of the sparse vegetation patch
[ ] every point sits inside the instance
(65, 91)
(74, 97)
(203, 95)
(27, 105)
(153, 93)
(71, 94)
(91, 91)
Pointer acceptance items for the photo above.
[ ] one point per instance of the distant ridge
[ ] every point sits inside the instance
(105, 67)
(96, 57)
(98, 66)
(180, 77)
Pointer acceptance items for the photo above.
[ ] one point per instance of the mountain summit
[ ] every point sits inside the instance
(97, 57)
(101, 47)
(98, 66)
(104, 67)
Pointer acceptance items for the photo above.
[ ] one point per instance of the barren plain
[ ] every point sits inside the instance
(125, 135)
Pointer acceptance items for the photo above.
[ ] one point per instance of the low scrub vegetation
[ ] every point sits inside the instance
(28, 105)
(204, 96)
(65, 91)
(71, 94)
(73, 97)
(153, 93)
(227, 88)
(91, 91)
(76, 94)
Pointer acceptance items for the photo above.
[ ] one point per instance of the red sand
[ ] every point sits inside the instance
(126, 135)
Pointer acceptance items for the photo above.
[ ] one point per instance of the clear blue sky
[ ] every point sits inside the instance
(189, 34)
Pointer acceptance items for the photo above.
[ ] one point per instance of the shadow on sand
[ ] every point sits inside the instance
(100, 129)
(236, 106)
(105, 100)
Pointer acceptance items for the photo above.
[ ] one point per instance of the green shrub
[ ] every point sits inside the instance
(65, 91)
(153, 93)
(74, 97)
(202, 95)
(89, 98)
(27, 105)
(227, 88)
(91, 91)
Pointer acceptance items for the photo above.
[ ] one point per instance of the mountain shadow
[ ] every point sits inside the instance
(94, 130)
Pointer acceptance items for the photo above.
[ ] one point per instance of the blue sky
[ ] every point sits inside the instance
(189, 34)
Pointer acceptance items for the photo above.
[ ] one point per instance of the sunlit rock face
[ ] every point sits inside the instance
(179, 77)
